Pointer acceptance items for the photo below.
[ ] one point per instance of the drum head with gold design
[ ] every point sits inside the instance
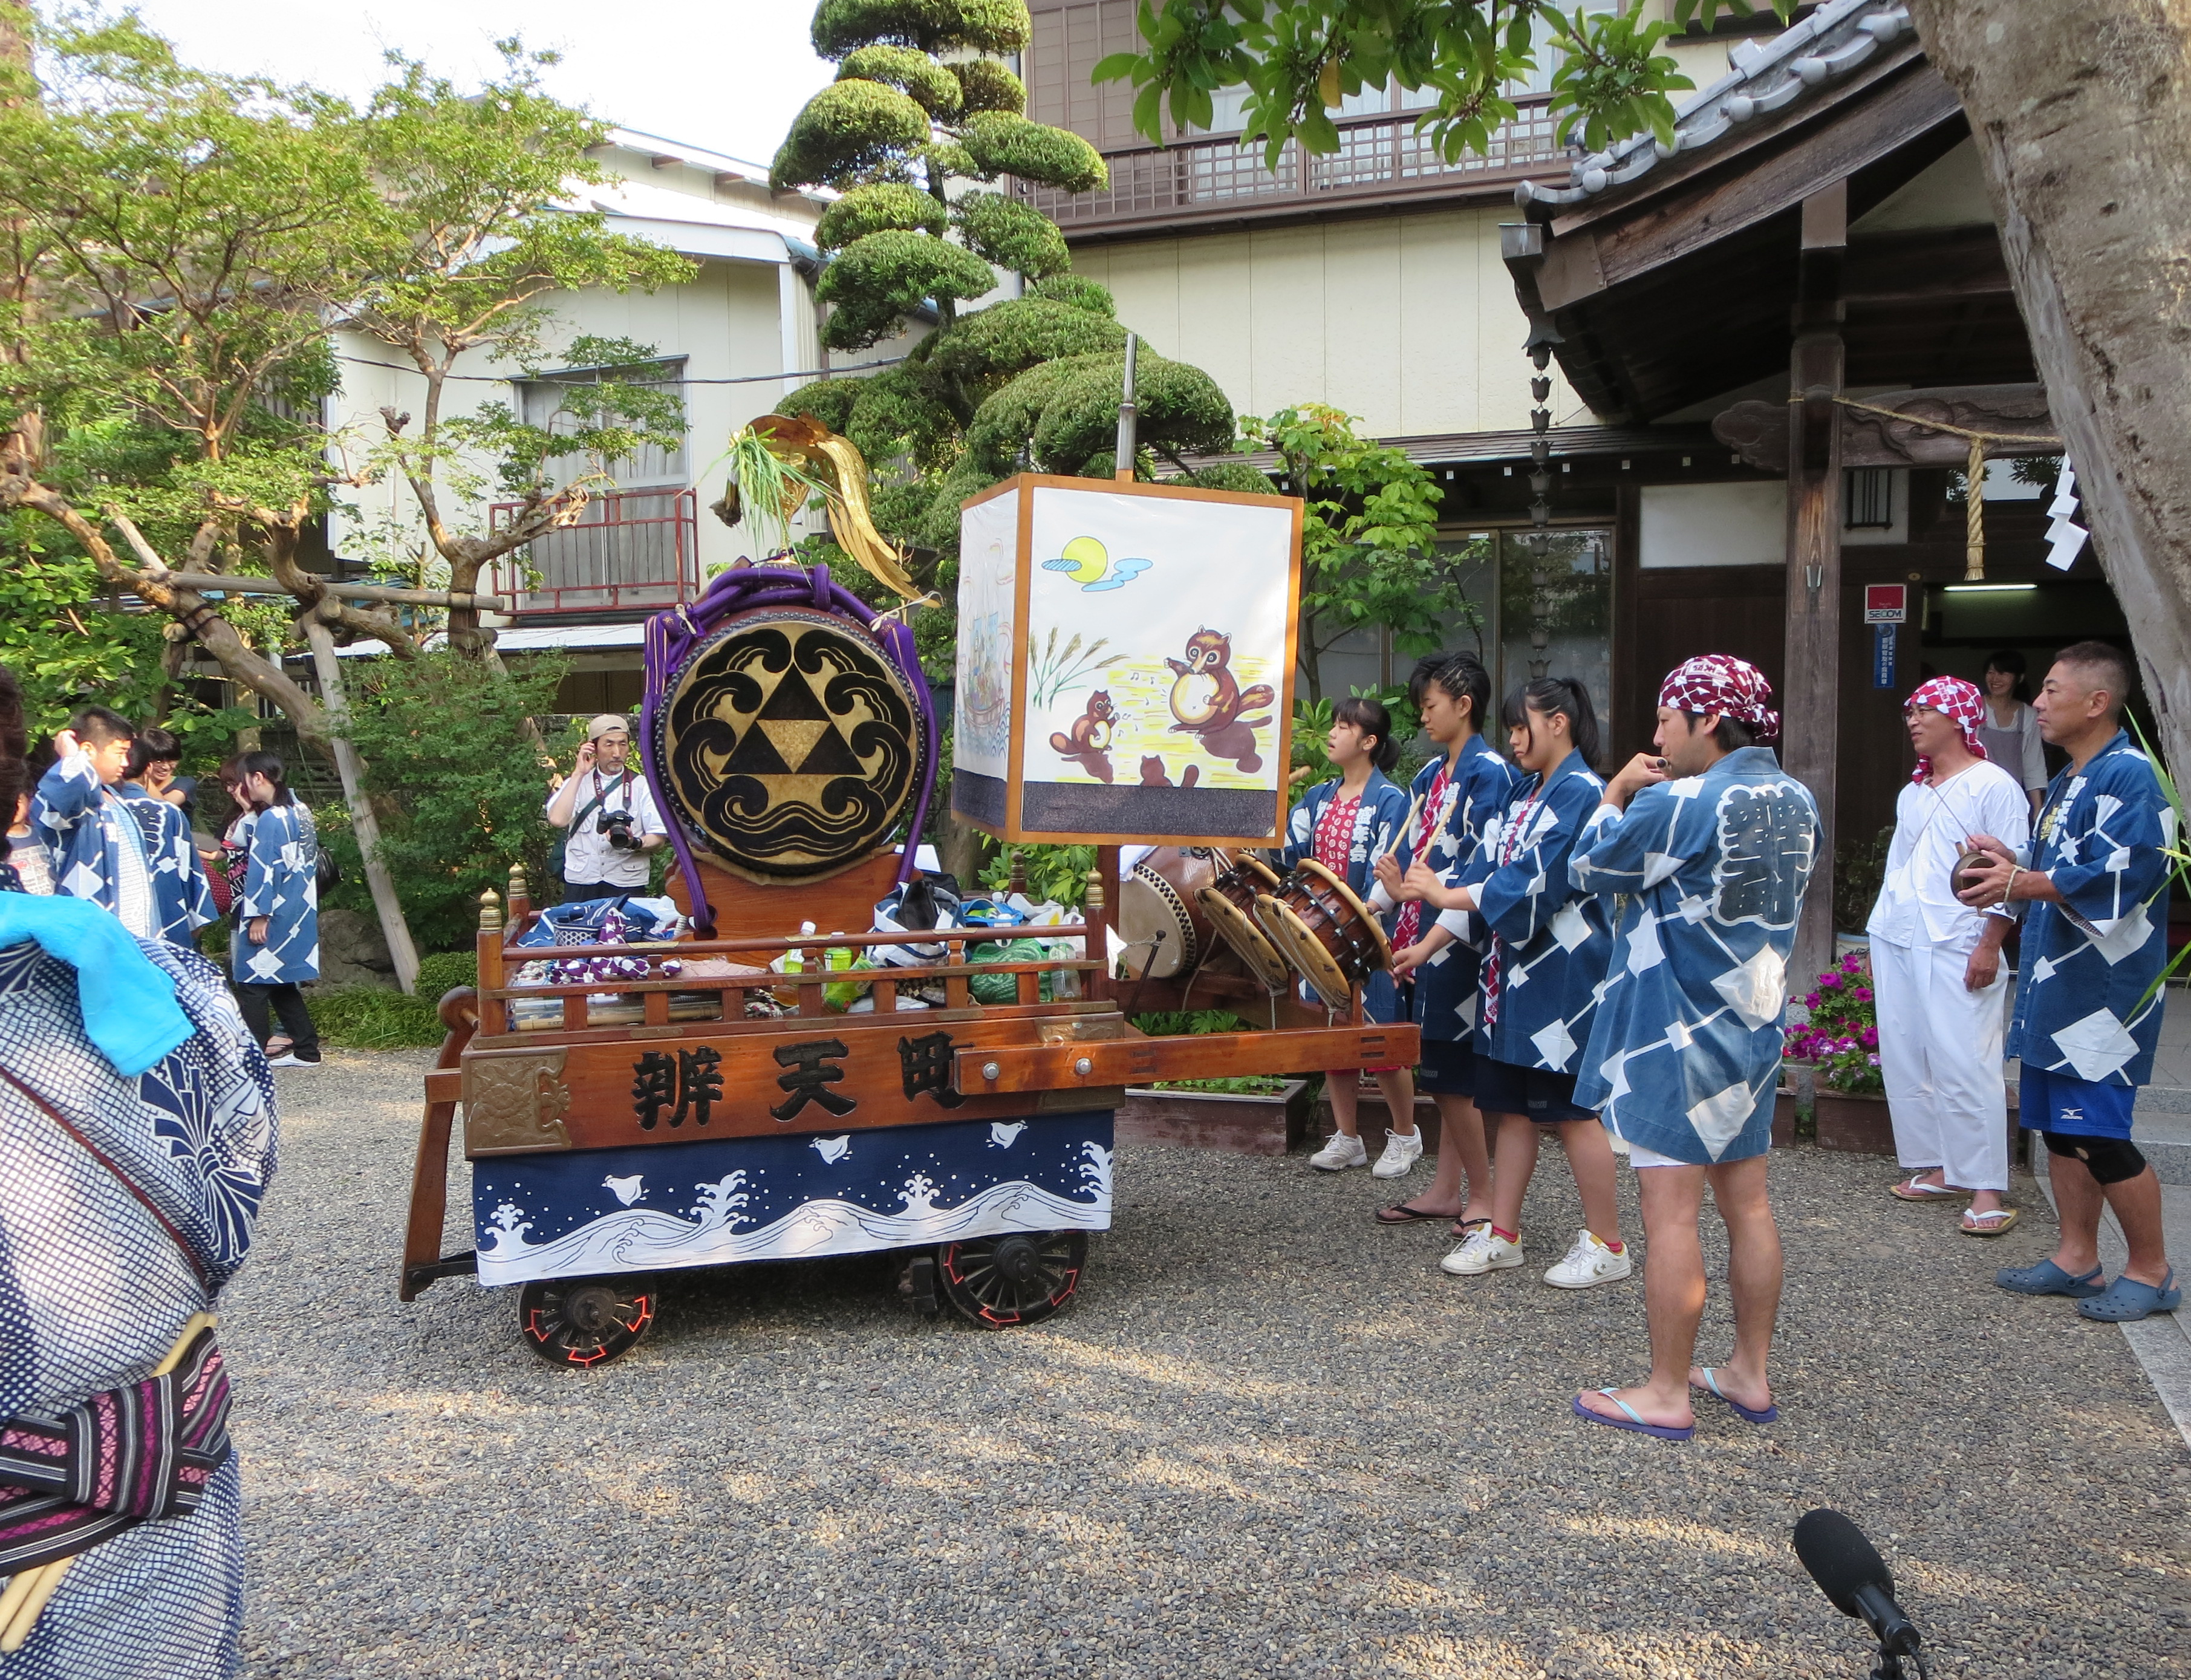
(790, 744)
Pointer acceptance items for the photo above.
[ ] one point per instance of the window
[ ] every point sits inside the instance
(542, 403)
(1868, 502)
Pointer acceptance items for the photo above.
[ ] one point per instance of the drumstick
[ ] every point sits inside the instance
(28, 1594)
(1404, 827)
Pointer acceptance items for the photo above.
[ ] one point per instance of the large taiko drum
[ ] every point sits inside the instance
(1160, 914)
(1333, 941)
(1229, 903)
(790, 742)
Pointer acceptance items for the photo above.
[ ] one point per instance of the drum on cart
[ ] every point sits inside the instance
(1166, 931)
(1229, 902)
(1332, 939)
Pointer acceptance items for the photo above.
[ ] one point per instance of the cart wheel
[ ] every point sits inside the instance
(585, 1321)
(1020, 1277)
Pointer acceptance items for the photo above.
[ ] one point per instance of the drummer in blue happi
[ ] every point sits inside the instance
(1539, 985)
(2094, 949)
(1345, 824)
(1459, 796)
(1708, 846)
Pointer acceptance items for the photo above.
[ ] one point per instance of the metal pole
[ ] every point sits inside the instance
(363, 822)
(1127, 416)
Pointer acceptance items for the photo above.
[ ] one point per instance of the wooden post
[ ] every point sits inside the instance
(363, 822)
(1810, 701)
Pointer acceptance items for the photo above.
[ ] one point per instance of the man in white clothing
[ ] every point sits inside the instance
(1935, 964)
(609, 810)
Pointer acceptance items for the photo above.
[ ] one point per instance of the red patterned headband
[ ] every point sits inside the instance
(1719, 684)
(1961, 703)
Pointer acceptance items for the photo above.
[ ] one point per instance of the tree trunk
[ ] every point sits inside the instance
(363, 822)
(2081, 110)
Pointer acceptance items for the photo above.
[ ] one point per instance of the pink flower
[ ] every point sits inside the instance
(1810, 1002)
(1862, 995)
(1829, 982)
(1871, 1038)
(1873, 1060)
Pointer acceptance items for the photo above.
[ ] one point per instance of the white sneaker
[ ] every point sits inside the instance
(1400, 1154)
(1483, 1252)
(290, 1059)
(1341, 1152)
(1589, 1262)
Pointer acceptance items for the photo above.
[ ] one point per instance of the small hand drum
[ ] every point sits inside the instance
(1161, 894)
(1330, 936)
(1961, 875)
(1229, 903)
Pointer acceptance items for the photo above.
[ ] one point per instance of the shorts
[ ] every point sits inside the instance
(2074, 1107)
(1448, 1067)
(1639, 1157)
(1537, 1093)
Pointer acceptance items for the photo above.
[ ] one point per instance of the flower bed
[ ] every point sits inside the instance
(1841, 1038)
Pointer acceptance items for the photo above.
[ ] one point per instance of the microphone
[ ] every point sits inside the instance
(1850, 1572)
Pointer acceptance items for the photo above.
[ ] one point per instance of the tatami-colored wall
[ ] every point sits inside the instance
(1408, 321)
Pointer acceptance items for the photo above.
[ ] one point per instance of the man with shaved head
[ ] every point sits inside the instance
(2088, 1008)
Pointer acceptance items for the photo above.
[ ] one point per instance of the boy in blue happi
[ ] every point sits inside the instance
(1539, 986)
(1462, 792)
(133, 856)
(1709, 850)
(2088, 1009)
(1346, 824)
(275, 945)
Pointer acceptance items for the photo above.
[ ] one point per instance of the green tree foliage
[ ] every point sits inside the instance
(1300, 59)
(1368, 533)
(454, 779)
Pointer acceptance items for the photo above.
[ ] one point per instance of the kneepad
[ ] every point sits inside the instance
(2110, 1160)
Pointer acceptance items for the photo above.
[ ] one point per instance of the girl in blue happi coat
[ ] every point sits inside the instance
(1550, 944)
(276, 945)
(1346, 824)
(1461, 793)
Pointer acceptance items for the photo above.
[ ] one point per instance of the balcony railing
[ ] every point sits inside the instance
(1380, 157)
(630, 551)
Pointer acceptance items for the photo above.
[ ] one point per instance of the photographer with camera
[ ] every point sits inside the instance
(609, 812)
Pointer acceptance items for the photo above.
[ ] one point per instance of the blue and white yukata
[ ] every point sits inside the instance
(1377, 826)
(2087, 1011)
(1444, 1000)
(1539, 979)
(1711, 872)
(281, 882)
(134, 857)
(94, 1289)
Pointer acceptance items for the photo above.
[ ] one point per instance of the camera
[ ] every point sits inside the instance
(617, 825)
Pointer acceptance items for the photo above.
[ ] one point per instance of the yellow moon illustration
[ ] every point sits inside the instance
(1089, 558)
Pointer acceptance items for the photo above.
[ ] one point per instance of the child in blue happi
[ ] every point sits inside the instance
(1709, 869)
(1462, 792)
(2088, 1007)
(133, 856)
(1346, 824)
(1540, 983)
(276, 945)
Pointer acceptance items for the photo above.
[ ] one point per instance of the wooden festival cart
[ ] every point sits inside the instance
(696, 1109)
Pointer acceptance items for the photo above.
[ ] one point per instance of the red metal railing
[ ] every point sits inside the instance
(1380, 157)
(630, 550)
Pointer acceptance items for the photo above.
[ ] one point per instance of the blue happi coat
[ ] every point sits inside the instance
(281, 882)
(1711, 871)
(1475, 794)
(94, 1287)
(1377, 825)
(2082, 1007)
(1552, 940)
(95, 836)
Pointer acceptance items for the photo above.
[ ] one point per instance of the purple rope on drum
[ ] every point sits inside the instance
(671, 637)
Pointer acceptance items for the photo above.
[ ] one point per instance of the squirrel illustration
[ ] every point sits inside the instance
(1208, 702)
(1153, 776)
(1206, 695)
(1088, 744)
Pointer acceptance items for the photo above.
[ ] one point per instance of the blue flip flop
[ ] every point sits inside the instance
(2048, 1278)
(1634, 1419)
(1770, 1413)
(2127, 1301)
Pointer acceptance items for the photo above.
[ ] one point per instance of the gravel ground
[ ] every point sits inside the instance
(1268, 1439)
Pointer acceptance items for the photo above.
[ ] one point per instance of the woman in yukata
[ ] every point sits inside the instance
(1346, 824)
(275, 944)
(1462, 791)
(1550, 945)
